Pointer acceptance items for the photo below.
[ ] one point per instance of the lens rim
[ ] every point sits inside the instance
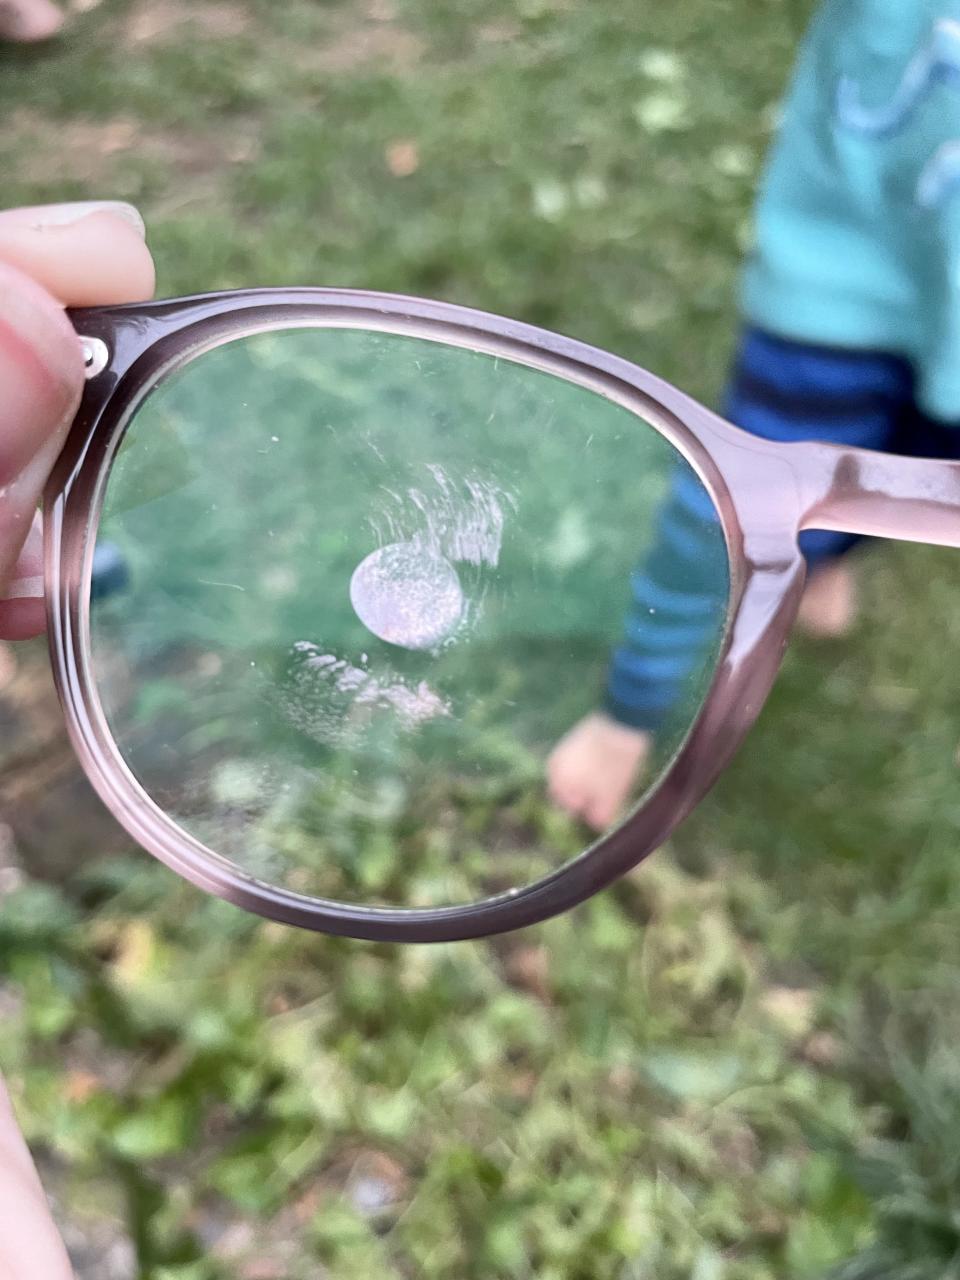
(148, 342)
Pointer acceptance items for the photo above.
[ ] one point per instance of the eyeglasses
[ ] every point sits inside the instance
(366, 557)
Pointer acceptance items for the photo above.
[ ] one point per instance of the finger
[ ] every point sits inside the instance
(41, 373)
(566, 793)
(599, 815)
(85, 254)
(88, 254)
(29, 1243)
(22, 610)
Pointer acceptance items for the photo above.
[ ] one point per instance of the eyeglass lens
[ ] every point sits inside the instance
(351, 587)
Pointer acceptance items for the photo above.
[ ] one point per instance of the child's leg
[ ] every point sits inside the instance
(830, 601)
(829, 606)
(788, 391)
(782, 391)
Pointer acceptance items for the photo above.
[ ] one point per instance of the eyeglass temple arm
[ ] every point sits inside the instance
(878, 494)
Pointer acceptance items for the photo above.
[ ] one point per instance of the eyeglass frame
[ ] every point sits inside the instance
(764, 492)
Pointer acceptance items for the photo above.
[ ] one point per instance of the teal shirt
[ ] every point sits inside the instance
(858, 222)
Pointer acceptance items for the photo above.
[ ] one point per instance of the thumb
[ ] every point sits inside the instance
(29, 1243)
(41, 373)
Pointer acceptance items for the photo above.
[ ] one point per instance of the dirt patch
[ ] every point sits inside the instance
(157, 20)
(91, 151)
(369, 46)
(358, 39)
(503, 32)
(53, 821)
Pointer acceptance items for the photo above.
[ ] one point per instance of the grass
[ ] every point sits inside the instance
(740, 1063)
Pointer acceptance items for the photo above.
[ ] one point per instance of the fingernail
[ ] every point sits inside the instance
(24, 589)
(41, 216)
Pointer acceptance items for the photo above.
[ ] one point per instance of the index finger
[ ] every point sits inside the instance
(86, 255)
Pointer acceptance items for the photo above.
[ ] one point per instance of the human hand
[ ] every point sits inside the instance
(77, 255)
(51, 256)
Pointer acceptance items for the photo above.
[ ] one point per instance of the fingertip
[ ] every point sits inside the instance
(597, 818)
(128, 272)
(96, 260)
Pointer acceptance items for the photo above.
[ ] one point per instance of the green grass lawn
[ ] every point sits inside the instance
(741, 1063)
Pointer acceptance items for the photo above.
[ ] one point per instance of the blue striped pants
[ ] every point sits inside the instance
(781, 390)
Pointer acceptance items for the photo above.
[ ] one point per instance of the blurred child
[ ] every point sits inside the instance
(852, 313)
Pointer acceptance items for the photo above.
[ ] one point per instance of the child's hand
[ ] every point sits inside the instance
(80, 255)
(593, 769)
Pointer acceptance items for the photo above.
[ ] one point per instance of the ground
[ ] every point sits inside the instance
(736, 1065)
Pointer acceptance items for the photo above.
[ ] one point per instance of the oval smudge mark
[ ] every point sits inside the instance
(407, 594)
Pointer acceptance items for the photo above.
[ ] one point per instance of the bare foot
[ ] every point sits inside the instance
(592, 769)
(29, 20)
(829, 606)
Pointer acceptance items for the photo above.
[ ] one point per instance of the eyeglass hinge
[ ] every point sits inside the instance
(96, 356)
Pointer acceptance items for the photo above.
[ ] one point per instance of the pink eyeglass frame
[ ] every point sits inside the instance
(765, 493)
